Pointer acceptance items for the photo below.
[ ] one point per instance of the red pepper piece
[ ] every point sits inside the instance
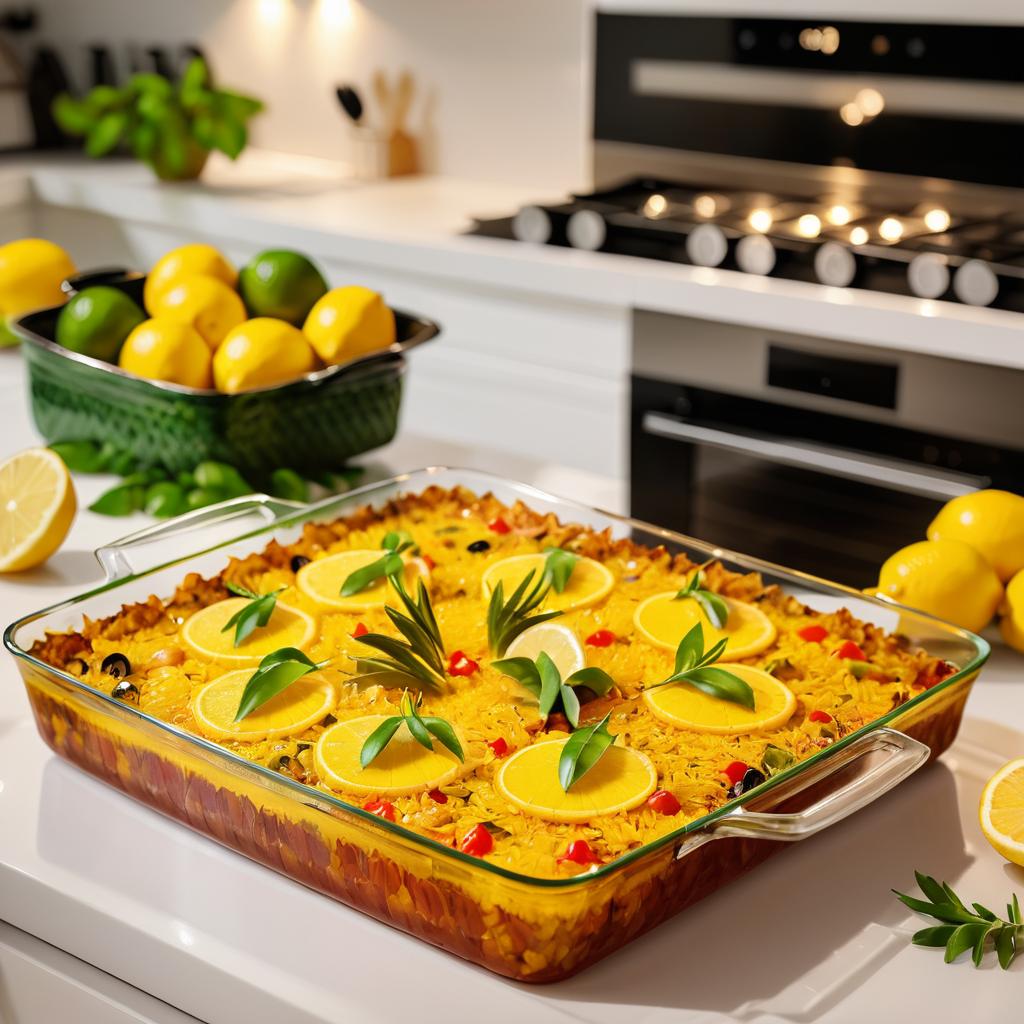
(431, 564)
(359, 631)
(382, 808)
(477, 841)
(926, 680)
(438, 797)
(735, 771)
(662, 801)
(579, 852)
(851, 651)
(813, 633)
(460, 664)
(819, 716)
(499, 746)
(499, 526)
(601, 638)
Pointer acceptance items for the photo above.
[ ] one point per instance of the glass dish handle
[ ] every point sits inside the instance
(115, 560)
(825, 793)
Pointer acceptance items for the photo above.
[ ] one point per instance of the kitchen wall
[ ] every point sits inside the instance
(502, 87)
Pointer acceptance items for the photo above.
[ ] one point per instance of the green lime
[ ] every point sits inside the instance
(96, 322)
(281, 284)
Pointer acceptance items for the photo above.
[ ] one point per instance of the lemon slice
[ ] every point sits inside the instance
(203, 633)
(589, 582)
(664, 621)
(322, 579)
(37, 505)
(292, 711)
(1002, 811)
(403, 766)
(559, 642)
(685, 707)
(621, 780)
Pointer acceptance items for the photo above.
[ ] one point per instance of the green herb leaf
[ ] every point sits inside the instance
(716, 682)
(79, 456)
(550, 683)
(255, 615)
(582, 751)
(106, 133)
(523, 671)
(390, 564)
(558, 567)
(963, 939)
(712, 604)
(276, 672)
(507, 619)
(694, 667)
(1007, 943)
(594, 679)
(545, 682)
(570, 704)
(122, 500)
(445, 734)
(776, 760)
(379, 739)
(937, 936)
(423, 729)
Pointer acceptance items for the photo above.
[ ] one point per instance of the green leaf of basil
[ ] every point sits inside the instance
(582, 751)
(716, 682)
(558, 567)
(570, 704)
(593, 678)
(522, 670)
(364, 577)
(690, 649)
(445, 734)
(379, 739)
(276, 672)
(550, 683)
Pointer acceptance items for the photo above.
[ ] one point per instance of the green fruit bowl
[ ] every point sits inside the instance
(312, 424)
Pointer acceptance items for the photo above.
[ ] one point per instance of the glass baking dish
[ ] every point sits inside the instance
(526, 928)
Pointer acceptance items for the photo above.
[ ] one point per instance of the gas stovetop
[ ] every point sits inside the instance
(926, 250)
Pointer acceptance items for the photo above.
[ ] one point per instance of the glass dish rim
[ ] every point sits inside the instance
(431, 846)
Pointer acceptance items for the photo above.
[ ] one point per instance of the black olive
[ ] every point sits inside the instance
(479, 545)
(298, 561)
(126, 691)
(77, 666)
(751, 778)
(279, 763)
(116, 665)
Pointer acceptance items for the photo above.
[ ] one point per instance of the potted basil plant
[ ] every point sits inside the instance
(170, 126)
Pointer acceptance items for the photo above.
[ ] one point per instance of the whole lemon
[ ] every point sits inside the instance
(186, 261)
(946, 578)
(992, 522)
(31, 272)
(260, 353)
(203, 302)
(1012, 623)
(349, 322)
(282, 284)
(162, 349)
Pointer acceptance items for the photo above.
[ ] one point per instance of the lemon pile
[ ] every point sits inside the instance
(206, 325)
(975, 546)
(31, 273)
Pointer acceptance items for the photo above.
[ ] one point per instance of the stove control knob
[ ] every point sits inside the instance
(706, 245)
(755, 255)
(928, 275)
(975, 283)
(586, 230)
(835, 265)
(532, 224)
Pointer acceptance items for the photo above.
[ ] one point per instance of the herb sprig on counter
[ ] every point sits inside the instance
(694, 667)
(712, 604)
(395, 544)
(255, 615)
(962, 929)
(582, 750)
(424, 729)
(276, 672)
(544, 681)
(420, 656)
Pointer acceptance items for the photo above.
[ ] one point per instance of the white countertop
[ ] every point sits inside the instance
(811, 936)
(413, 225)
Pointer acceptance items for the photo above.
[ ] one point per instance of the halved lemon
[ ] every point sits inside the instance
(589, 582)
(685, 707)
(322, 580)
(292, 711)
(664, 621)
(403, 766)
(1002, 811)
(621, 780)
(203, 633)
(558, 642)
(37, 505)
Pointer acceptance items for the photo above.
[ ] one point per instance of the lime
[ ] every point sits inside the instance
(282, 284)
(97, 321)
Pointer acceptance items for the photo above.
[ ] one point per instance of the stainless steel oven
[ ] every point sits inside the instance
(821, 455)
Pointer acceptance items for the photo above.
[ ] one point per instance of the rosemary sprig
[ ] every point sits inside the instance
(276, 672)
(582, 750)
(420, 656)
(712, 604)
(544, 681)
(424, 730)
(964, 929)
(694, 667)
(394, 544)
(255, 615)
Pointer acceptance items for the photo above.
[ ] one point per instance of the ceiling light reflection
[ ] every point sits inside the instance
(851, 114)
(809, 226)
(937, 219)
(859, 236)
(891, 229)
(656, 205)
(705, 206)
(760, 220)
(838, 215)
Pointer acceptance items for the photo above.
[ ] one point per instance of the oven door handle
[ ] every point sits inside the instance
(894, 474)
